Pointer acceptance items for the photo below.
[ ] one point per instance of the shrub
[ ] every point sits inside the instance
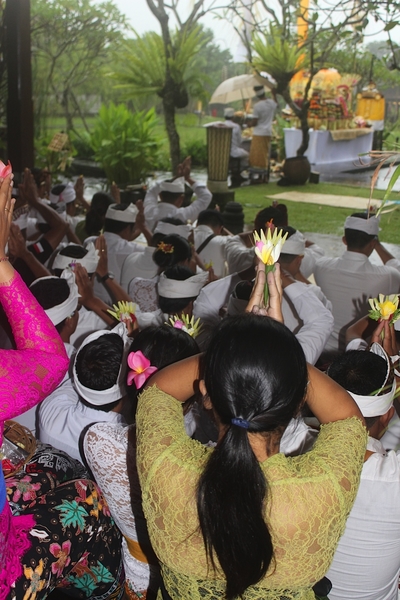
(197, 149)
(125, 143)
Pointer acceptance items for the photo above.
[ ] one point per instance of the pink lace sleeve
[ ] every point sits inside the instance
(30, 373)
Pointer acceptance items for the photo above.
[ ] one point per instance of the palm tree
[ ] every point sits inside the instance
(146, 70)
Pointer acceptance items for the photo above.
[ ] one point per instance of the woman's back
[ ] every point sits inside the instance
(308, 502)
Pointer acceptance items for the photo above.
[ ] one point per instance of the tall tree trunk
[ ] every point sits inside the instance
(301, 113)
(170, 125)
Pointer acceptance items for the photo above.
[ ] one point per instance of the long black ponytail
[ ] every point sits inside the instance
(255, 373)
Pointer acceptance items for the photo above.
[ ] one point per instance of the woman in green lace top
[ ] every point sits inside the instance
(241, 519)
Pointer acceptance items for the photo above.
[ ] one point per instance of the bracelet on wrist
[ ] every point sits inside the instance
(4, 259)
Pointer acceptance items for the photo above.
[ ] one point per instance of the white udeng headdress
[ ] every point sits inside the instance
(65, 197)
(168, 229)
(189, 288)
(62, 311)
(295, 244)
(177, 186)
(125, 216)
(115, 392)
(89, 261)
(370, 226)
(375, 406)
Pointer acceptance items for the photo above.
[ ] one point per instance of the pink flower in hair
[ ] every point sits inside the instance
(5, 169)
(140, 369)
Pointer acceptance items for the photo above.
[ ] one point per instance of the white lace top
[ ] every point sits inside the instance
(144, 293)
(105, 448)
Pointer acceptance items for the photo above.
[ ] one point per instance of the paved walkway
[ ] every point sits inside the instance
(326, 199)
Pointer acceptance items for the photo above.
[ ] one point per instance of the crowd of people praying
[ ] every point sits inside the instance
(194, 439)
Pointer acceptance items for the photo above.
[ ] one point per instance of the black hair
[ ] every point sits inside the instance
(210, 217)
(58, 189)
(50, 293)
(74, 251)
(162, 345)
(98, 364)
(172, 221)
(171, 306)
(355, 239)
(181, 252)
(359, 372)
(265, 215)
(261, 385)
(96, 214)
(113, 226)
(170, 197)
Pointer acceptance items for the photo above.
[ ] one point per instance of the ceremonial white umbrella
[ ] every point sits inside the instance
(238, 88)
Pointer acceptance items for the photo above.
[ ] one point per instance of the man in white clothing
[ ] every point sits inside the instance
(366, 565)
(171, 196)
(236, 144)
(240, 248)
(96, 393)
(119, 225)
(263, 116)
(210, 243)
(350, 280)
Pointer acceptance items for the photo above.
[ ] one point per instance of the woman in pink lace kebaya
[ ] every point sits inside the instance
(52, 541)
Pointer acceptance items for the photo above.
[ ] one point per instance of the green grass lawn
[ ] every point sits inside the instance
(313, 217)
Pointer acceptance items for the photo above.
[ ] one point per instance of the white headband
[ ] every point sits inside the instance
(62, 311)
(370, 226)
(89, 261)
(20, 216)
(124, 216)
(295, 244)
(177, 186)
(229, 112)
(375, 406)
(260, 93)
(117, 391)
(65, 197)
(168, 229)
(189, 288)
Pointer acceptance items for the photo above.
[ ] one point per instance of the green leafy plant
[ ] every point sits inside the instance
(197, 150)
(125, 143)
(278, 56)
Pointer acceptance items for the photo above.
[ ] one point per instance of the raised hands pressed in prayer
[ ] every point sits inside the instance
(256, 302)
(85, 285)
(388, 342)
(16, 242)
(102, 265)
(115, 193)
(28, 189)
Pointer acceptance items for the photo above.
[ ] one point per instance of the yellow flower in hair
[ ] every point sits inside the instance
(166, 248)
(123, 311)
(385, 308)
(268, 248)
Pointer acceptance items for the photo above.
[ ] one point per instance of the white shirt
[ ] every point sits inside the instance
(348, 282)
(366, 564)
(236, 143)
(28, 418)
(214, 252)
(88, 322)
(138, 264)
(264, 111)
(62, 418)
(117, 251)
(303, 313)
(154, 210)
